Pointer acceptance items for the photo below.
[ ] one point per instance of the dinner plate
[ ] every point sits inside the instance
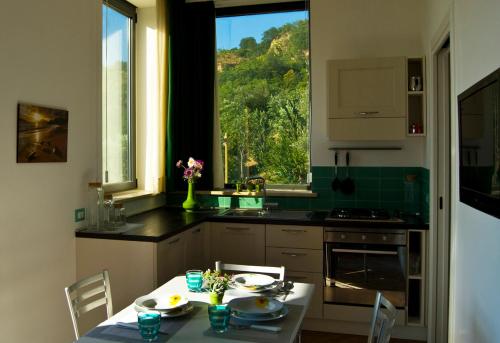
(256, 305)
(260, 318)
(178, 312)
(164, 303)
(253, 280)
(271, 287)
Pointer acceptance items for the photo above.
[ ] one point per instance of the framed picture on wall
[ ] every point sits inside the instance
(42, 134)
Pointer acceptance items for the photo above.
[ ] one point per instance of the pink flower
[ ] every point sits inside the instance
(179, 164)
(188, 173)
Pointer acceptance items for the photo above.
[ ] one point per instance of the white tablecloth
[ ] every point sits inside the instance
(195, 327)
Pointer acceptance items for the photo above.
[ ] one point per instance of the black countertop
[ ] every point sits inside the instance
(165, 222)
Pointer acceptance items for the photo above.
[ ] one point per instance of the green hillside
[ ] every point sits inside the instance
(264, 104)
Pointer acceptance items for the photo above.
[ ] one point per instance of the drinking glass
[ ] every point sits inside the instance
(149, 324)
(219, 316)
(194, 280)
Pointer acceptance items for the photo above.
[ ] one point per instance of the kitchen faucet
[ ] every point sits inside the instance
(263, 182)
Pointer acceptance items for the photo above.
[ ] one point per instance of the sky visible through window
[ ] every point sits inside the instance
(230, 30)
(115, 26)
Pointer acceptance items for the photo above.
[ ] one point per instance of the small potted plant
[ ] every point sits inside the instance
(217, 283)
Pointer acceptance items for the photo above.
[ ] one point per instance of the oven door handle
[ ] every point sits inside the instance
(361, 251)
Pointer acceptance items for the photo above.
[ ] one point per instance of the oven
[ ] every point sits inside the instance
(361, 261)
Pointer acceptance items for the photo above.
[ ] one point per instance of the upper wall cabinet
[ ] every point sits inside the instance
(367, 99)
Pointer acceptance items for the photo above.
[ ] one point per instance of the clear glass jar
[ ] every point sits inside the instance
(109, 210)
(119, 215)
(95, 205)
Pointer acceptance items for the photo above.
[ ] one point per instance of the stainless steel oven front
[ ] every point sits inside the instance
(359, 262)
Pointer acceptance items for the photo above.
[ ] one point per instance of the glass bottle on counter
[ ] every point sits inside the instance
(95, 205)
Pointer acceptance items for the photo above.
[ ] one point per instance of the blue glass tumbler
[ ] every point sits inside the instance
(149, 324)
(194, 280)
(219, 316)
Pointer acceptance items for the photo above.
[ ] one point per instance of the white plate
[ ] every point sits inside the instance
(181, 311)
(256, 305)
(253, 281)
(237, 286)
(266, 318)
(166, 302)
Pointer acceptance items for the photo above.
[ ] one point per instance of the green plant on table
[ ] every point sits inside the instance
(216, 281)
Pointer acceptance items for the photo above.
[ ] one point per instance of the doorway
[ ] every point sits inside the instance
(443, 181)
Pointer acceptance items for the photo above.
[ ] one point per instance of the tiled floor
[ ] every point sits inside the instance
(325, 337)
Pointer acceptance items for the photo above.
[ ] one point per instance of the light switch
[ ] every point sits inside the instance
(79, 215)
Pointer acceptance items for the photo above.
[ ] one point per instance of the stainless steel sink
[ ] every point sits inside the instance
(270, 214)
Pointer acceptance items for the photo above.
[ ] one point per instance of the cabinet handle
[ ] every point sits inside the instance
(196, 231)
(237, 228)
(367, 113)
(293, 230)
(362, 251)
(293, 254)
(174, 241)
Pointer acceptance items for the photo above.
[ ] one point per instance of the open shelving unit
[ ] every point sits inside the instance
(416, 265)
(416, 109)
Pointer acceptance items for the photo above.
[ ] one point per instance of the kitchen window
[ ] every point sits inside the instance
(263, 93)
(118, 119)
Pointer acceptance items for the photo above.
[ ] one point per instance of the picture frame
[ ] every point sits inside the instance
(42, 134)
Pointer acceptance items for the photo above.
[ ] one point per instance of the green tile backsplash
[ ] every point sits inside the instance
(378, 187)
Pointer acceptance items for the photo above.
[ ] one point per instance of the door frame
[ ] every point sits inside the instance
(435, 283)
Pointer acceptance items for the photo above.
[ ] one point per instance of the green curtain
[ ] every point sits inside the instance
(191, 89)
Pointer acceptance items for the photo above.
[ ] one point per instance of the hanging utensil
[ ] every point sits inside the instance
(336, 180)
(347, 186)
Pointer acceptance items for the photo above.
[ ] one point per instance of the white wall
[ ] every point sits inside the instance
(475, 256)
(361, 29)
(48, 56)
(475, 252)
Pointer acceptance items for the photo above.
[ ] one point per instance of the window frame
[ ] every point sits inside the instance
(128, 10)
(278, 7)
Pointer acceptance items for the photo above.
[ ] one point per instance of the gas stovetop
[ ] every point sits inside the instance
(361, 214)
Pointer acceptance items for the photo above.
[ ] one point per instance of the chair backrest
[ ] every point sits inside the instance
(383, 319)
(88, 294)
(279, 271)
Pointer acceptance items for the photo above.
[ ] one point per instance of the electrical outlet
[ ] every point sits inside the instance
(79, 215)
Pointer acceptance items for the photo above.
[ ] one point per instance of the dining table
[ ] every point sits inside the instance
(195, 326)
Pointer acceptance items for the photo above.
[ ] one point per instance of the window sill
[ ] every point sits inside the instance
(284, 193)
(132, 194)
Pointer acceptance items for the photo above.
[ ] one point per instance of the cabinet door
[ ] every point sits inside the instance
(294, 236)
(238, 243)
(170, 258)
(366, 88)
(195, 247)
(300, 260)
(316, 306)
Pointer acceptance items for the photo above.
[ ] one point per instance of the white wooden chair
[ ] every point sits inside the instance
(383, 320)
(88, 294)
(280, 271)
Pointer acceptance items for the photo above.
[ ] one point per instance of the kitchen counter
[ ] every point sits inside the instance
(165, 222)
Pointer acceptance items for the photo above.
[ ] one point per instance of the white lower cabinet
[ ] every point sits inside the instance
(196, 251)
(300, 260)
(316, 306)
(171, 258)
(237, 243)
(300, 250)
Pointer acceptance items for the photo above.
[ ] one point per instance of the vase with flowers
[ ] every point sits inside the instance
(191, 173)
(217, 284)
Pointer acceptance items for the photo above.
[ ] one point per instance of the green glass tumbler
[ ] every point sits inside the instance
(219, 316)
(149, 324)
(194, 280)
